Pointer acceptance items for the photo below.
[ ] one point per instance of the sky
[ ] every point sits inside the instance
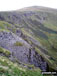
(8, 5)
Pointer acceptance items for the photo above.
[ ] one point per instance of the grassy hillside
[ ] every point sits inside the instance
(37, 24)
(8, 68)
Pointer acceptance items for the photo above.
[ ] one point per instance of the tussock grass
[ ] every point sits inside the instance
(4, 51)
(18, 43)
(8, 68)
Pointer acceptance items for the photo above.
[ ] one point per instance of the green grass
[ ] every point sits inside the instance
(4, 51)
(1, 30)
(26, 32)
(50, 25)
(4, 25)
(8, 68)
(18, 43)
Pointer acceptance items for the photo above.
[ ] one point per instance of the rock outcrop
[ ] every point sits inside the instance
(24, 53)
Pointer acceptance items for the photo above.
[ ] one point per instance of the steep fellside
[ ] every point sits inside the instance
(30, 35)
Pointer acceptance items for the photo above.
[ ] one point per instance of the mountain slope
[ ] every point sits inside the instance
(30, 34)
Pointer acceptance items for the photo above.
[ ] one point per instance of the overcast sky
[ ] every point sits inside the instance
(6, 5)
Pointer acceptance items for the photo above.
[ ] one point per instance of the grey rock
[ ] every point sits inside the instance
(25, 53)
